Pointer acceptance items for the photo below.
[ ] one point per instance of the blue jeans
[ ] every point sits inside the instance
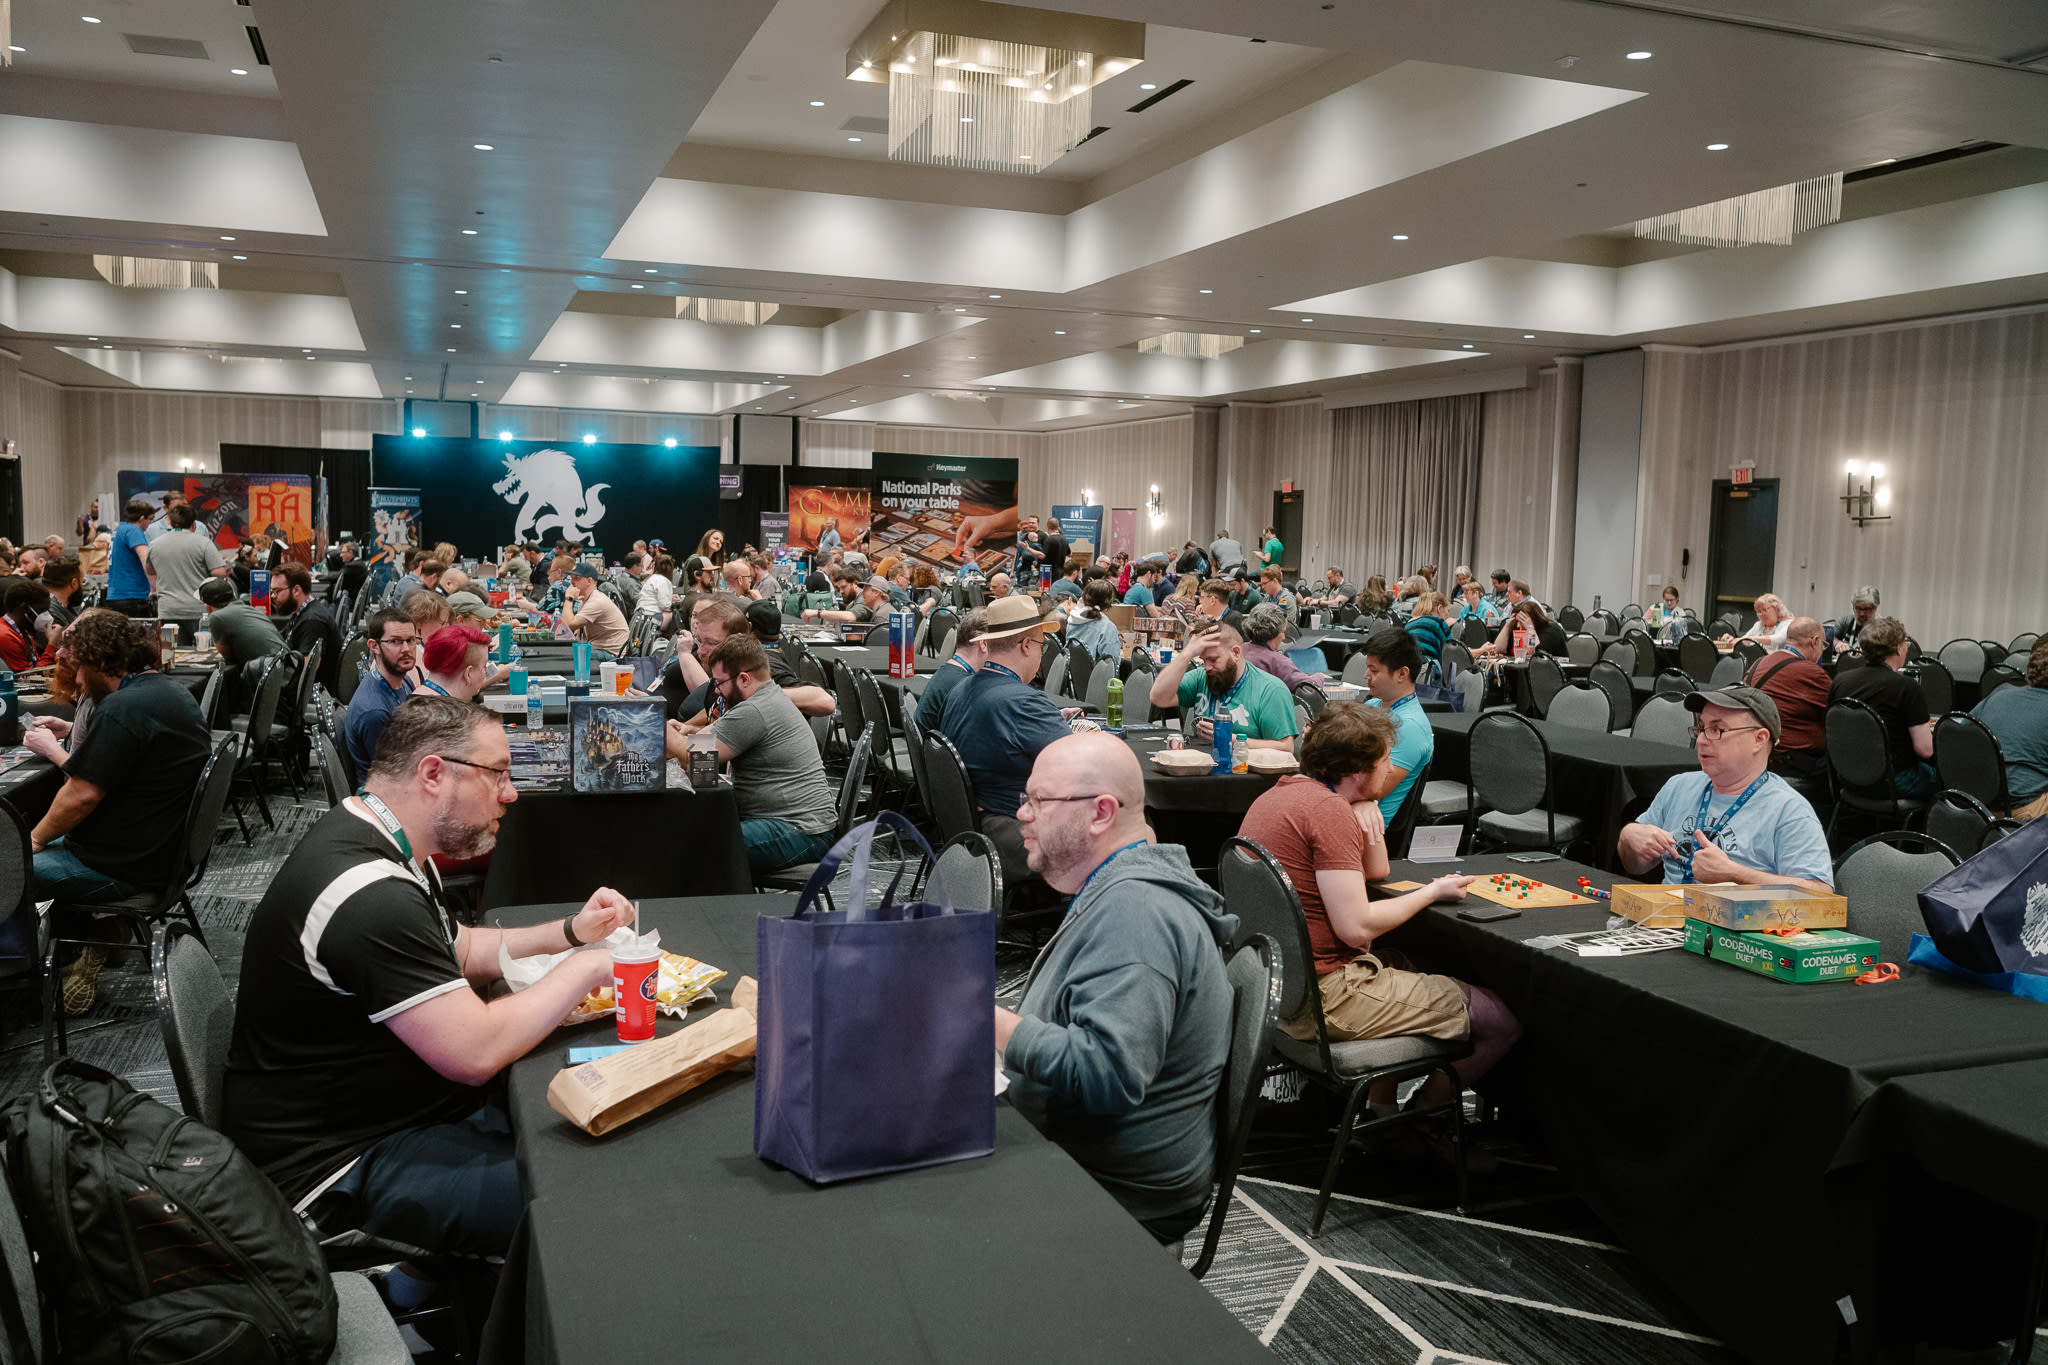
(447, 1187)
(775, 844)
(1918, 781)
(60, 876)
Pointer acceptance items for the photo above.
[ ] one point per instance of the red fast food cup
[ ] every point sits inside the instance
(635, 974)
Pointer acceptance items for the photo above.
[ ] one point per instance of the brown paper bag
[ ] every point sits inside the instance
(599, 1096)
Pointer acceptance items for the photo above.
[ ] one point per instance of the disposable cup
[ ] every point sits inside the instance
(636, 972)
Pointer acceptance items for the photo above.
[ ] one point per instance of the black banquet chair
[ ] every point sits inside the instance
(1257, 890)
(1860, 766)
(1882, 878)
(1959, 820)
(1508, 777)
(1967, 758)
(1255, 984)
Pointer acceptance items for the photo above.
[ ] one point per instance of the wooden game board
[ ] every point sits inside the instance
(1522, 893)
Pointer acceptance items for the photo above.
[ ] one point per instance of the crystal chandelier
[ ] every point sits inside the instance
(143, 272)
(726, 312)
(1765, 216)
(1190, 345)
(990, 87)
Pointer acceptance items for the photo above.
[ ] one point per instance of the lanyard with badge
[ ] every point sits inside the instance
(1699, 824)
(375, 805)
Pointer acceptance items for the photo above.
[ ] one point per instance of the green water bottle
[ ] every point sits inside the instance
(1113, 707)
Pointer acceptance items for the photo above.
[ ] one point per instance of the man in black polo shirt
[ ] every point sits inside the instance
(361, 1044)
(1898, 701)
(113, 830)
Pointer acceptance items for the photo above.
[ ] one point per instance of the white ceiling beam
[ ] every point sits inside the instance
(184, 317)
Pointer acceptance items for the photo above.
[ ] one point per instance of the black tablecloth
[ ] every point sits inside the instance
(1600, 777)
(669, 1240)
(1710, 1116)
(561, 845)
(1198, 813)
(30, 786)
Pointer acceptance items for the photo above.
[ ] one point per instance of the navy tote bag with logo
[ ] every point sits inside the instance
(1990, 913)
(876, 1049)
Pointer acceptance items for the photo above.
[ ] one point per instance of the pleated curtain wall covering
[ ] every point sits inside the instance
(1408, 473)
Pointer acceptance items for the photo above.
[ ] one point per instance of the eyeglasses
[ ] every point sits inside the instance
(503, 774)
(1030, 804)
(1717, 733)
(399, 640)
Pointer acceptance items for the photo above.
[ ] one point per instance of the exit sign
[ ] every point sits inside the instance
(1287, 486)
(1741, 473)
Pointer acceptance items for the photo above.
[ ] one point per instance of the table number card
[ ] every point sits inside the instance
(1435, 843)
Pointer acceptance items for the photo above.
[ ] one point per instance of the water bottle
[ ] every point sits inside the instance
(1113, 707)
(202, 639)
(504, 642)
(1239, 761)
(535, 715)
(10, 708)
(1220, 737)
(515, 681)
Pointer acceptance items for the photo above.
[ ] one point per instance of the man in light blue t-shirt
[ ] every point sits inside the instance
(1144, 588)
(1392, 659)
(1734, 820)
(127, 565)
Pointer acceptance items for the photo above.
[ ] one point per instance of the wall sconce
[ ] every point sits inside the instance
(1087, 497)
(1153, 506)
(1864, 498)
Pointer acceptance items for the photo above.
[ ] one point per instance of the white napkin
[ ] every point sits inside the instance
(521, 972)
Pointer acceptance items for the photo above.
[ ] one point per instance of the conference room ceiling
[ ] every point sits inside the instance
(641, 151)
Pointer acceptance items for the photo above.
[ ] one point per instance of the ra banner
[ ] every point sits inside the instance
(395, 524)
(235, 509)
(1081, 524)
(812, 508)
(484, 495)
(944, 510)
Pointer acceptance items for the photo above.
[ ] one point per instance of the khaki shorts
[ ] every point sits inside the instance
(1379, 996)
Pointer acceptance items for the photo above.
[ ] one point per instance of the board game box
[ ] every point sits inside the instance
(1765, 907)
(1809, 956)
(618, 744)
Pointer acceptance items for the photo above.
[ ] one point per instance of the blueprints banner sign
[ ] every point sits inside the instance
(394, 524)
(483, 494)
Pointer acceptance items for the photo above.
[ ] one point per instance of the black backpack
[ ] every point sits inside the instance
(157, 1240)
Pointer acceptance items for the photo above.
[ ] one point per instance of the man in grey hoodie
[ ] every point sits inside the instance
(1118, 1050)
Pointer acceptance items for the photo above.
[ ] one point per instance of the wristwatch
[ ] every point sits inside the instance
(569, 929)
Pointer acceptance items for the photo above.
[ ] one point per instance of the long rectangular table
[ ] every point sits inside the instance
(1593, 774)
(668, 1239)
(1718, 1120)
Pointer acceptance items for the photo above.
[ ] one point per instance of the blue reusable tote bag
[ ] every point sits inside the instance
(876, 1045)
(1989, 913)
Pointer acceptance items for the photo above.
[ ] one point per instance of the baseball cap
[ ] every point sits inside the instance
(1750, 699)
(583, 569)
(657, 544)
(878, 583)
(696, 562)
(764, 619)
(465, 602)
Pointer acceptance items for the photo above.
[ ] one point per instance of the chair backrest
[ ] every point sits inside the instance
(1354, 669)
(333, 770)
(924, 626)
(1097, 698)
(1859, 750)
(1546, 680)
(944, 622)
(1997, 676)
(1999, 829)
(269, 689)
(1081, 671)
(1455, 654)
(1401, 829)
(209, 697)
(1054, 676)
(1697, 657)
(949, 642)
(1646, 654)
(1749, 651)
(196, 1015)
(1664, 720)
(1967, 758)
(1582, 649)
(1311, 699)
(1258, 891)
(846, 692)
(210, 802)
(1964, 660)
(1632, 612)
(354, 655)
(1138, 698)
(1724, 624)
(15, 863)
(1959, 820)
(1674, 682)
(1728, 670)
(874, 710)
(1612, 679)
(913, 746)
(1937, 684)
(1255, 985)
(1622, 654)
(308, 677)
(952, 790)
(1603, 625)
(1882, 878)
(2023, 642)
(1471, 685)
(1346, 614)
(1583, 705)
(1571, 618)
(969, 872)
(877, 634)
(1508, 763)
(851, 783)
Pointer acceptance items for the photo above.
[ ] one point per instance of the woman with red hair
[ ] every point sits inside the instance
(456, 662)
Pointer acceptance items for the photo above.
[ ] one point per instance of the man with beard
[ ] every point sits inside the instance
(362, 1043)
(394, 643)
(1259, 704)
(1118, 1046)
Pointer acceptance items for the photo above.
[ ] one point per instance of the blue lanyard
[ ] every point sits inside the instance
(1699, 824)
(429, 682)
(1083, 887)
(999, 668)
(1235, 688)
(961, 664)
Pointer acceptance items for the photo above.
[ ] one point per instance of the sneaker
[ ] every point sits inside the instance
(81, 979)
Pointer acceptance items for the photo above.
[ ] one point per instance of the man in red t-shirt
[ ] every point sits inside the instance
(1325, 828)
(1793, 678)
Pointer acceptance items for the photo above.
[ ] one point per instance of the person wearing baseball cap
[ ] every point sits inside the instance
(1734, 820)
(588, 612)
(874, 597)
(700, 574)
(999, 722)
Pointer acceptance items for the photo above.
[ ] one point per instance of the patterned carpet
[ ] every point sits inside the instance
(1528, 1277)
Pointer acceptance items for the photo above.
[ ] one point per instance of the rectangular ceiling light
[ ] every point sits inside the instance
(142, 272)
(1190, 345)
(726, 312)
(990, 87)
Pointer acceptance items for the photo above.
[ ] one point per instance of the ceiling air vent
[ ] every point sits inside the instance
(149, 45)
(1142, 105)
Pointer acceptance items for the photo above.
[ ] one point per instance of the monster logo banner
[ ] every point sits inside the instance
(486, 494)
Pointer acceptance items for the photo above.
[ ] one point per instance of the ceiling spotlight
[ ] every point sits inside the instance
(817, 104)
(408, 379)
(462, 291)
(419, 431)
(639, 286)
(1717, 146)
(1257, 330)
(469, 232)
(241, 258)
(1205, 291)
(589, 439)
(959, 310)
(670, 443)
(974, 357)
(1528, 336)
(853, 139)
(227, 239)
(483, 146)
(105, 348)
(995, 296)
(1058, 333)
(15, 47)
(1638, 56)
(1400, 236)
(1149, 85)
(504, 435)
(1468, 345)
(1025, 157)
(650, 270)
(965, 119)
(455, 326)
(232, 71)
(1308, 319)
(451, 350)
(906, 376)
(92, 338)
(88, 18)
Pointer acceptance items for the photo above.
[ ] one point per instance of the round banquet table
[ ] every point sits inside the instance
(1197, 812)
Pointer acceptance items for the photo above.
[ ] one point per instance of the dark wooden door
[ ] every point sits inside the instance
(1287, 521)
(1743, 553)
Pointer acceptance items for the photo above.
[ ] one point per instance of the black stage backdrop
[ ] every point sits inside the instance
(347, 473)
(483, 494)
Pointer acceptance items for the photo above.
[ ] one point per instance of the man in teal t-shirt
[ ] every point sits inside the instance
(1260, 706)
(1392, 659)
(1274, 549)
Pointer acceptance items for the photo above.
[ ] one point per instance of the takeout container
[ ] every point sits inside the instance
(1270, 762)
(1184, 762)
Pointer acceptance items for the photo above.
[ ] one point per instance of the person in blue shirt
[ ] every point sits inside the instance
(1090, 628)
(1431, 624)
(1143, 584)
(394, 649)
(2017, 718)
(1734, 820)
(1392, 659)
(1473, 602)
(1068, 584)
(128, 565)
(828, 539)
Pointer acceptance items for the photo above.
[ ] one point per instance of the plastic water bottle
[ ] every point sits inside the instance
(1113, 705)
(535, 715)
(515, 681)
(1239, 760)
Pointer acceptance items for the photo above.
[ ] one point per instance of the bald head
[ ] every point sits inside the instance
(1097, 762)
(1085, 800)
(1806, 633)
